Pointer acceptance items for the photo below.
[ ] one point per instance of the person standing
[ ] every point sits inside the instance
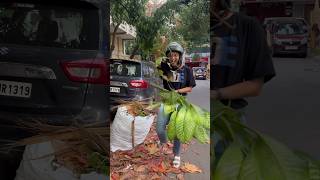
(179, 78)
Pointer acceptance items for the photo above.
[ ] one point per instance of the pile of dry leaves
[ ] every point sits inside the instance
(146, 161)
(80, 148)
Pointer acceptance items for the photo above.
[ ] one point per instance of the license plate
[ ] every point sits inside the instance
(16, 89)
(291, 47)
(115, 89)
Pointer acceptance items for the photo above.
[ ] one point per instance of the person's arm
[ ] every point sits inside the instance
(190, 83)
(184, 90)
(249, 88)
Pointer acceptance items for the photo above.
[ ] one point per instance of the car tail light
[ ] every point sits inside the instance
(87, 71)
(138, 84)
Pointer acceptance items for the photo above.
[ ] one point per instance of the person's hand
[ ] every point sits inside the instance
(215, 94)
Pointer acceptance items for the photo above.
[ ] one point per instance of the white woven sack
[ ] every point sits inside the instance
(121, 135)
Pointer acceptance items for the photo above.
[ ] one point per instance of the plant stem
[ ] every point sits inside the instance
(159, 87)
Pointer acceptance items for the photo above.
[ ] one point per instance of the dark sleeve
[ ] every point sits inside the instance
(259, 63)
(164, 67)
(190, 79)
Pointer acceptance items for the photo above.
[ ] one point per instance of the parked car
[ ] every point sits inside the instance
(268, 21)
(199, 73)
(289, 36)
(130, 80)
(52, 65)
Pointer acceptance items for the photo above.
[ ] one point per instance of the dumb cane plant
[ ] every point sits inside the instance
(251, 155)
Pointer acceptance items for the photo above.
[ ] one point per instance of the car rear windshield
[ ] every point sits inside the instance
(289, 29)
(49, 25)
(125, 68)
(199, 69)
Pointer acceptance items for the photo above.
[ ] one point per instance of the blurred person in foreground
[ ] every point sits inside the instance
(241, 61)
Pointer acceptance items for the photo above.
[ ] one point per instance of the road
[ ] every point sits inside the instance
(199, 154)
(289, 106)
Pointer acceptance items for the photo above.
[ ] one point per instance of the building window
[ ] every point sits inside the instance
(128, 46)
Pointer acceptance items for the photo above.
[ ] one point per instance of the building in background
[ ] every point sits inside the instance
(277, 8)
(124, 35)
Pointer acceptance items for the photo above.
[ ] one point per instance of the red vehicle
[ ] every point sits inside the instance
(289, 36)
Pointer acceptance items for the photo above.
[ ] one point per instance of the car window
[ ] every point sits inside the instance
(199, 71)
(125, 68)
(151, 71)
(289, 29)
(53, 26)
(146, 72)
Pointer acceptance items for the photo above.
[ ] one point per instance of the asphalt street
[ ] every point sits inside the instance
(289, 106)
(199, 154)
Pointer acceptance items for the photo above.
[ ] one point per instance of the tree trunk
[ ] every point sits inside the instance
(114, 38)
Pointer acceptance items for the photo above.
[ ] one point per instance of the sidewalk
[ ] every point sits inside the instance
(199, 155)
(315, 54)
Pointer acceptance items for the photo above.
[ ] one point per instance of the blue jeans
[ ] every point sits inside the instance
(162, 122)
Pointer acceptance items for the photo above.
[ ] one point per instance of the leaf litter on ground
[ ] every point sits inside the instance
(147, 161)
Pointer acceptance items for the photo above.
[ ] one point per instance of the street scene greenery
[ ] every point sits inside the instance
(175, 20)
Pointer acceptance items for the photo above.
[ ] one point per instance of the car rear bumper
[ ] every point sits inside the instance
(200, 77)
(282, 50)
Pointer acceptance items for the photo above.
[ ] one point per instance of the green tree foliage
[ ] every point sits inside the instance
(148, 28)
(126, 11)
(195, 23)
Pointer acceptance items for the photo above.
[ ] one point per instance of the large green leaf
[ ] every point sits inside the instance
(180, 123)
(314, 165)
(265, 158)
(229, 165)
(271, 160)
(189, 124)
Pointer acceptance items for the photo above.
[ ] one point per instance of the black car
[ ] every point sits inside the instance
(199, 73)
(53, 64)
(130, 79)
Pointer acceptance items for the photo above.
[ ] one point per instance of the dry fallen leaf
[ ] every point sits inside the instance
(127, 176)
(141, 168)
(115, 176)
(141, 177)
(152, 148)
(190, 168)
(180, 177)
(155, 177)
(159, 168)
(174, 170)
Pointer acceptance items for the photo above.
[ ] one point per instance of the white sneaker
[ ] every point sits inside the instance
(176, 161)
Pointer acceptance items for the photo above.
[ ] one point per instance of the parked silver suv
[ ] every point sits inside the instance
(130, 79)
